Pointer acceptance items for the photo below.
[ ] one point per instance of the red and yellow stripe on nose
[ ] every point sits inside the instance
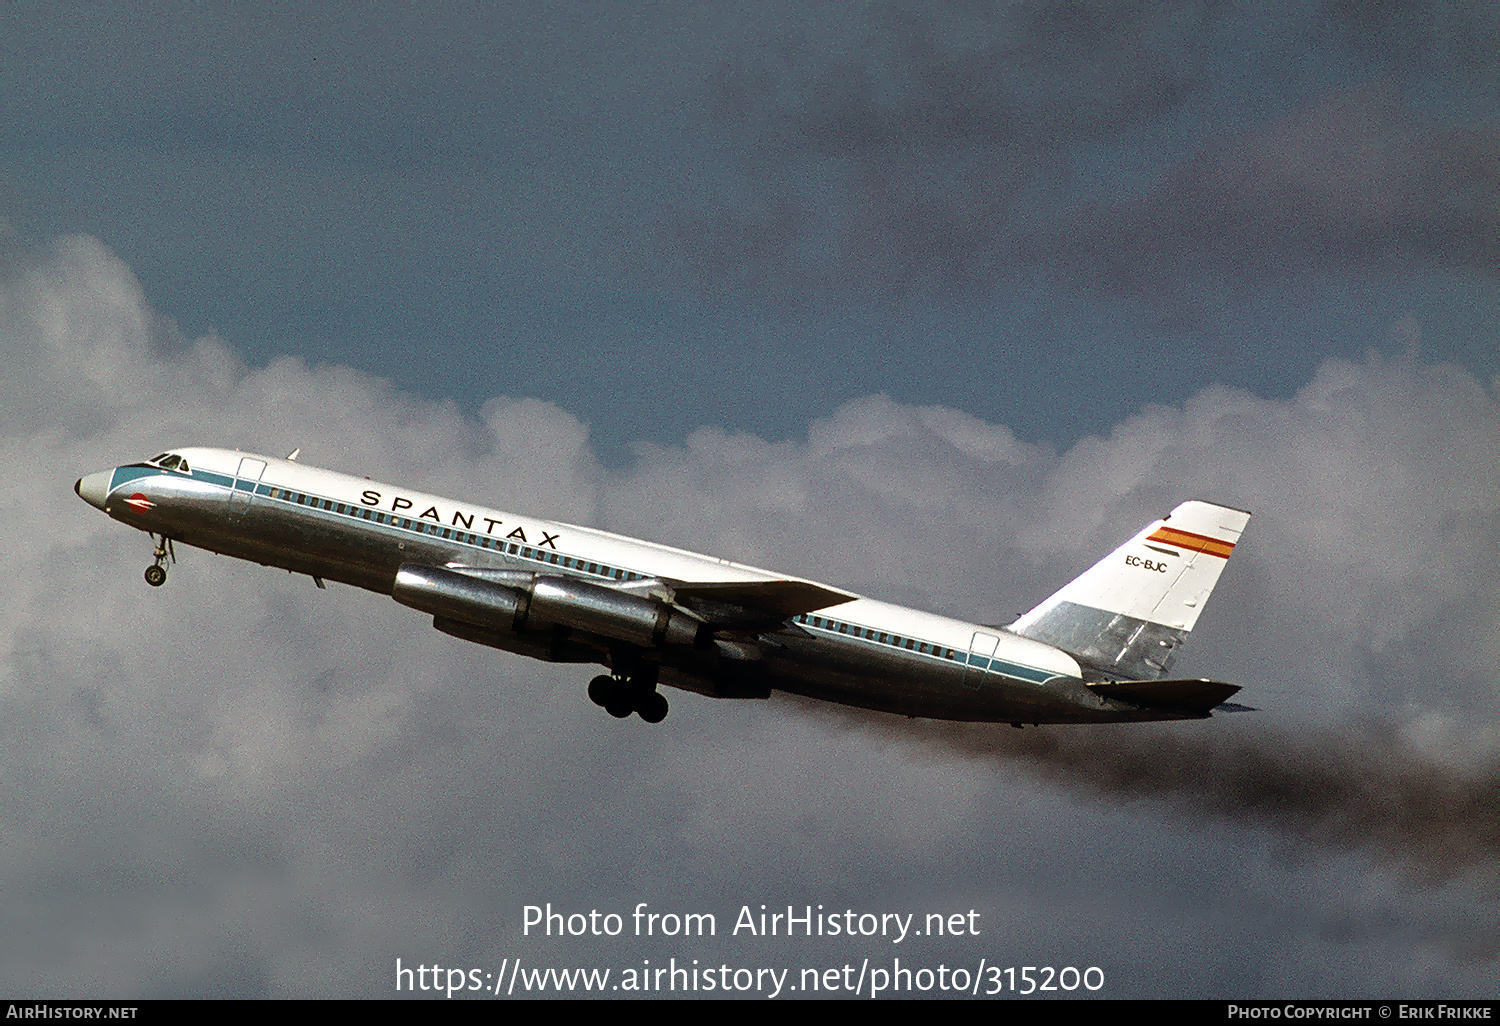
(1194, 542)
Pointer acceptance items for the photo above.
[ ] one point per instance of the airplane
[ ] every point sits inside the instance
(1096, 651)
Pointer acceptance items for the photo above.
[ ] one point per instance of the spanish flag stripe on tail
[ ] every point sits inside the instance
(1195, 542)
(1124, 618)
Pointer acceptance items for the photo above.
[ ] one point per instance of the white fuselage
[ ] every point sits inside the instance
(843, 648)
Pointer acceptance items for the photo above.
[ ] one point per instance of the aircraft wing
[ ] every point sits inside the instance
(736, 605)
(753, 604)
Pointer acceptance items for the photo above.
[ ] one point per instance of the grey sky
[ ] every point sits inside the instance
(1045, 215)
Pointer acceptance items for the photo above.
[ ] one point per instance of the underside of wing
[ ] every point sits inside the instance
(751, 604)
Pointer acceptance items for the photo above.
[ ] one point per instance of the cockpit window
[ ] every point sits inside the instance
(169, 461)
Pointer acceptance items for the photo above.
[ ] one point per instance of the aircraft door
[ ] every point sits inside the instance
(244, 484)
(981, 651)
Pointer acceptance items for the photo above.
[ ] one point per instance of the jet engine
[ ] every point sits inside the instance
(518, 601)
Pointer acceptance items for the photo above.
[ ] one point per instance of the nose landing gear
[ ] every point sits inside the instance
(156, 573)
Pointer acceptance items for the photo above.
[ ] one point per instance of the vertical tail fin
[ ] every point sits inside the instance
(1126, 616)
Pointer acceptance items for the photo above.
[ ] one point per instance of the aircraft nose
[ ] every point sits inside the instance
(92, 488)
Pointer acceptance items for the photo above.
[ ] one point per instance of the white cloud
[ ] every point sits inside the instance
(240, 784)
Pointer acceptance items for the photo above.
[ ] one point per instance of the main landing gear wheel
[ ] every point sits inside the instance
(622, 696)
(653, 707)
(600, 689)
(155, 576)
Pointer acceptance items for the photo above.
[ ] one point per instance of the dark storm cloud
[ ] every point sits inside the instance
(924, 128)
(1351, 181)
(932, 156)
(959, 79)
(1416, 37)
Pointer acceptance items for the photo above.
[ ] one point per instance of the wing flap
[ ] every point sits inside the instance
(753, 605)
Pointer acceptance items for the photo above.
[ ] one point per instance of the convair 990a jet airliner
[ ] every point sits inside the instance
(1096, 651)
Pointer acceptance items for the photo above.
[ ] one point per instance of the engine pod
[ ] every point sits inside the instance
(648, 623)
(545, 602)
(455, 596)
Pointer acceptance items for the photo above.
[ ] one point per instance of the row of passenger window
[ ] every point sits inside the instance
(895, 640)
(448, 533)
(570, 562)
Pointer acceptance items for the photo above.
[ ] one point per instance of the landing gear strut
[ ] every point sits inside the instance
(620, 696)
(156, 573)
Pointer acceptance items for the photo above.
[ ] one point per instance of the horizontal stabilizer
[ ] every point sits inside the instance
(1190, 696)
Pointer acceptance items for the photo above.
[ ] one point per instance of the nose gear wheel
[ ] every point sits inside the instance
(156, 573)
